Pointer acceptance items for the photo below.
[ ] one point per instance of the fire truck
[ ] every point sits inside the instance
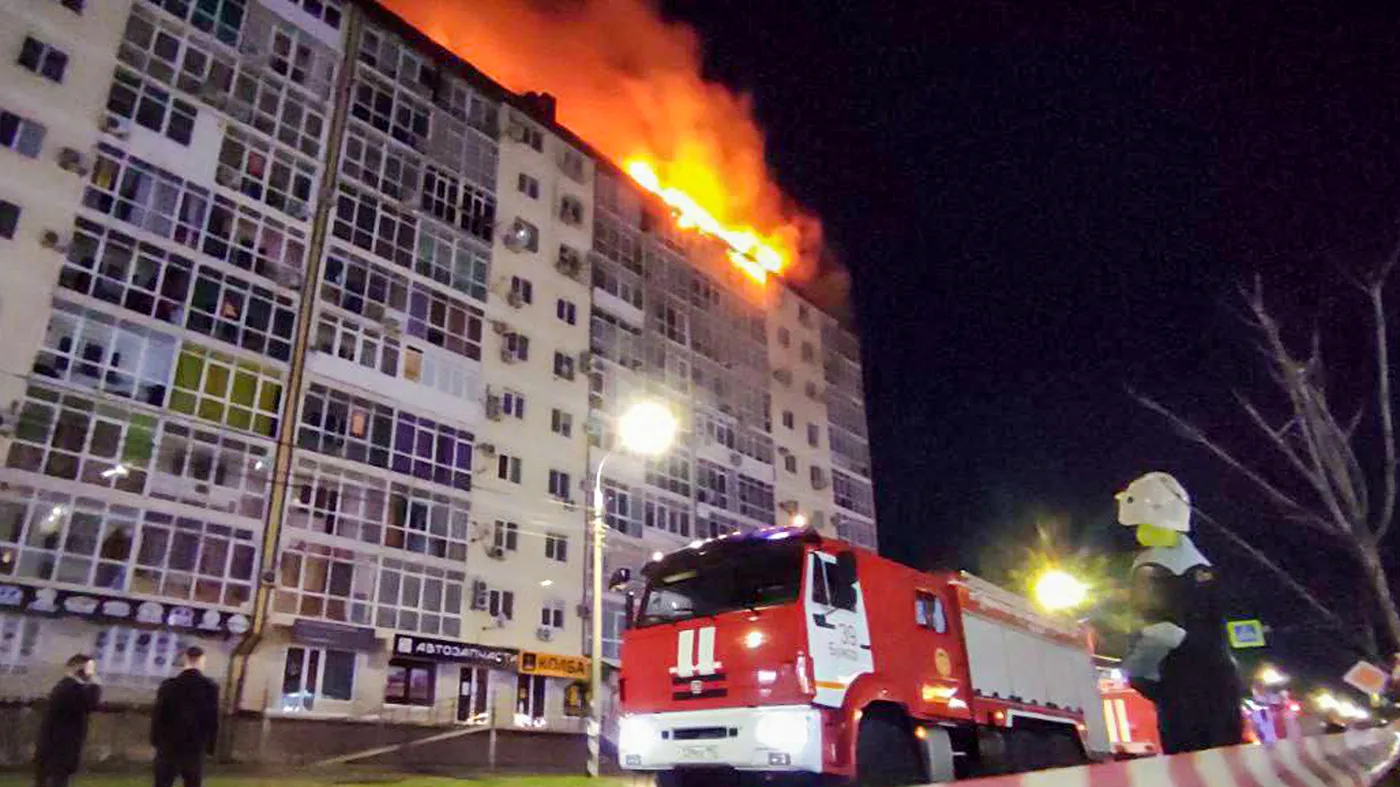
(1131, 718)
(783, 653)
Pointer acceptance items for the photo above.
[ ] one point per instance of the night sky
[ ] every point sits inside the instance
(1043, 208)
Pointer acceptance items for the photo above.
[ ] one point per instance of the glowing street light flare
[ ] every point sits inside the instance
(1269, 675)
(647, 428)
(1059, 591)
(798, 520)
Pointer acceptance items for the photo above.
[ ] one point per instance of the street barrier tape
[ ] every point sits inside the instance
(1356, 758)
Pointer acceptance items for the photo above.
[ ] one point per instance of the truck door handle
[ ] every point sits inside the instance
(819, 618)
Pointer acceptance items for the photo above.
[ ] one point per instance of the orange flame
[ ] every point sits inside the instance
(746, 250)
(630, 84)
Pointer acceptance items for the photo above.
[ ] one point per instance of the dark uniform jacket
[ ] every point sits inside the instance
(59, 748)
(186, 717)
(1197, 689)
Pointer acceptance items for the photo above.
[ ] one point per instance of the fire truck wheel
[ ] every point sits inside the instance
(885, 753)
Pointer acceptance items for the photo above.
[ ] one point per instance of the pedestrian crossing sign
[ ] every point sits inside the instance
(1245, 633)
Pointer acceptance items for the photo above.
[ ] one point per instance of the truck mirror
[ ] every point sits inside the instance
(619, 578)
(843, 590)
(629, 611)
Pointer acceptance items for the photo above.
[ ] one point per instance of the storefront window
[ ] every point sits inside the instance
(529, 701)
(409, 683)
(310, 673)
(137, 656)
(18, 635)
(473, 691)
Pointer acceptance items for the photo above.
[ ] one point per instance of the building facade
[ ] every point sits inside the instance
(314, 343)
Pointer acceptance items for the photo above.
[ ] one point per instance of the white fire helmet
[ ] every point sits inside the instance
(1155, 499)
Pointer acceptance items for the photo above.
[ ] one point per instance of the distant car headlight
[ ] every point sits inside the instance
(782, 731)
(636, 734)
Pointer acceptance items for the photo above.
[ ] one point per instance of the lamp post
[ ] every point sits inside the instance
(646, 429)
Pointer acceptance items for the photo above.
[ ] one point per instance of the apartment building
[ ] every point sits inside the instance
(314, 343)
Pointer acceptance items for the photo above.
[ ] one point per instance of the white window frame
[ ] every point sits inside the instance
(307, 699)
(556, 547)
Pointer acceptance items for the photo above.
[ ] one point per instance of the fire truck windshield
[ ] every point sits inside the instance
(722, 577)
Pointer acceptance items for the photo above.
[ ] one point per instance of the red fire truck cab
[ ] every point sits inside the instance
(783, 652)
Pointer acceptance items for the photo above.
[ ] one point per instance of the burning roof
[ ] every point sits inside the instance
(630, 83)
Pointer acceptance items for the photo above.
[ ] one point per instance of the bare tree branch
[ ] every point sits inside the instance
(1349, 487)
(1388, 468)
(1288, 580)
(1281, 499)
(1293, 376)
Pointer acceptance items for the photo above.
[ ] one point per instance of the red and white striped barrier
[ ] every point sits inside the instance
(1357, 758)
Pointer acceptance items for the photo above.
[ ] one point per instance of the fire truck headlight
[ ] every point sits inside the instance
(782, 731)
(636, 734)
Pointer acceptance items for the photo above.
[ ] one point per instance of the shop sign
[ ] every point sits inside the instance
(94, 606)
(413, 646)
(319, 633)
(553, 665)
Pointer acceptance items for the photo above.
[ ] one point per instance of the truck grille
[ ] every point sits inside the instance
(703, 733)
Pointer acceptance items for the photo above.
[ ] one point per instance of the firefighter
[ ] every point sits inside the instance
(1180, 659)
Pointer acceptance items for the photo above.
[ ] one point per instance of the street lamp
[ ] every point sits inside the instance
(646, 429)
(1059, 591)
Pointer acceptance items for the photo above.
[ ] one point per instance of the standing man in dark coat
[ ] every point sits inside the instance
(59, 749)
(185, 723)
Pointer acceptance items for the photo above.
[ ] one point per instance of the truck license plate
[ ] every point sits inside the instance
(700, 753)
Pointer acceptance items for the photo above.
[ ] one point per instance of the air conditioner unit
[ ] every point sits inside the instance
(515, 299)
(735, 458)
(486, 449)
(582, 610)
(507, 356)
(500, 326)
(783, 376)
(784, 451)
(227, 177)
(241, 111)
(790, 506)
(392, 326)
(500, 622)
(299, 210)
(516, 237)
(544, 633)
(493, 407)
(569, 262)
(585, 361)
(819, 481)
(496, 553)
(55, 240)
(72, 160)
(289, 277)
(479, 594)
(517, 132)
(571, 211)
(8, 421)
(117, 126)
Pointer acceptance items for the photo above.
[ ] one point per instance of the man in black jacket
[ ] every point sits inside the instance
(185, 723)
(59, 749)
